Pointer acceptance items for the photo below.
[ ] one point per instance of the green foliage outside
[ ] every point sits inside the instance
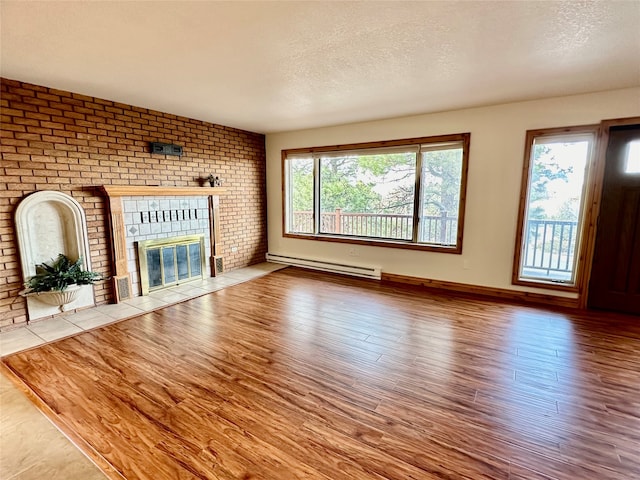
(544, 170)
(301, 184)
(382, 184)
(349, 183)
(442, 175)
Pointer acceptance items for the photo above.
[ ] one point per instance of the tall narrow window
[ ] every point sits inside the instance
(299, 180)
(557, 163)
(401, 193)
(441, 178)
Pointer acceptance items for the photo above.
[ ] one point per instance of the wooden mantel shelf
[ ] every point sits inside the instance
(147, 190)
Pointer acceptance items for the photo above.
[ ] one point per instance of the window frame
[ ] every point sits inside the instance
(413, 244)
(584, 217)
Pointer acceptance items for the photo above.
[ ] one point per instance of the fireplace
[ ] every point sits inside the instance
(170, 261)
(160, 218)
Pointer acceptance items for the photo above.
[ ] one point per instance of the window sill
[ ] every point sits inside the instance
(407, 245)
(547, 285)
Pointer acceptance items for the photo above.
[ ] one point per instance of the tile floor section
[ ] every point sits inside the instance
(30, 446)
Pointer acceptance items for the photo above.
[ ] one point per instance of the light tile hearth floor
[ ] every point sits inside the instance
(30, 446)
(40, 332)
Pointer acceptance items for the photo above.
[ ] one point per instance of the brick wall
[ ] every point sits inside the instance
(57, 140)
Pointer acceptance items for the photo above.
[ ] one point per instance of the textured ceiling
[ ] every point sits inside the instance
(274, 66)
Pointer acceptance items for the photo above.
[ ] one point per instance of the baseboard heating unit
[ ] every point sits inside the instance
(355, 270)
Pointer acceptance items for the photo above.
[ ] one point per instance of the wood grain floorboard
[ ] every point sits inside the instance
(312, 376)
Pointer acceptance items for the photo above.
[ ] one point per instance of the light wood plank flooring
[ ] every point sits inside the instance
(305, 375)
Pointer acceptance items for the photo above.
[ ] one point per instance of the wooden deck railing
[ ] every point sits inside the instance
(549, 244)
(440, 229)
(549, 248)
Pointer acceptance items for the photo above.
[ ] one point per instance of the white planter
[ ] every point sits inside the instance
(56, 298)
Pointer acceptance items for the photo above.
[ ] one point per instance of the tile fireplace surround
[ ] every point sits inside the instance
(155, 218)
(151, 213)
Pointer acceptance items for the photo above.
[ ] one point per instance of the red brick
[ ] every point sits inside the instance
(48, 96)
(97, 142)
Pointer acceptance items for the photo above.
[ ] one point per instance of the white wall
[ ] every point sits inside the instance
(493, 190)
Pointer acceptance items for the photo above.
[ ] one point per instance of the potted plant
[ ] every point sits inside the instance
(59, 283)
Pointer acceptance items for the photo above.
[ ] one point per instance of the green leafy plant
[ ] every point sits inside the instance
(61, 273)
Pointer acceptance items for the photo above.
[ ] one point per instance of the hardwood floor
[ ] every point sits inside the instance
(305, 375)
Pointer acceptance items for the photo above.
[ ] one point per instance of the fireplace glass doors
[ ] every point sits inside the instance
(170, 261)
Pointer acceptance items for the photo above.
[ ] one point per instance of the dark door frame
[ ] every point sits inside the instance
(595, 196)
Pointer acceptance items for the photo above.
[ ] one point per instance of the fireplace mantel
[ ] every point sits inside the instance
(149, 190)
